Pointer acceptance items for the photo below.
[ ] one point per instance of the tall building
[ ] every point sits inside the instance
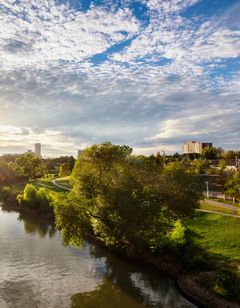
(38, 149)
(195, 147)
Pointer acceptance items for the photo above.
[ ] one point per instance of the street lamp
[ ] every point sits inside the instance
(207, 189)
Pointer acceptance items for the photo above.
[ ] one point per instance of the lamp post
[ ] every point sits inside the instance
(163, 155)
(207, 189)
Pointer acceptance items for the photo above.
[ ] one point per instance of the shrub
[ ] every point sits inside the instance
(44, 199)
(6, 191)
(30, 195)
(201, 263)
(227, 284)
(177, 235)
(40, 199)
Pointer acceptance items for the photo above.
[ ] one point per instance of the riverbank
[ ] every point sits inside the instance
(15, 207)
(190, 261)
(193, 284)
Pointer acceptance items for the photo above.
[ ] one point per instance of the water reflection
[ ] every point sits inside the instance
(38, 271)
(129, 284)
(37, 225)
(106, 295)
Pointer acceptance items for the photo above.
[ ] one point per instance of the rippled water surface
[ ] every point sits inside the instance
(36, 270)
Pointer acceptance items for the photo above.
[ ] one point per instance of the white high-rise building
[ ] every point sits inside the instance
(38, 149)
(195, 147)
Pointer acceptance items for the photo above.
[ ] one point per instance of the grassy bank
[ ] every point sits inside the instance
(46, 183)
(217, 235)
(64, 181)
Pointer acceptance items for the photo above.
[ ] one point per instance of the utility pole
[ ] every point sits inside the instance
(236, 161)
(207, 189)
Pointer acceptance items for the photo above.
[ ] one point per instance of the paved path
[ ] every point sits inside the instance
(224, 205)
(220, 213)
(60, 186)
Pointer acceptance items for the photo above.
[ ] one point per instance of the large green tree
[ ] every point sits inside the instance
(29, 166)
(125, 200)
(232, 186)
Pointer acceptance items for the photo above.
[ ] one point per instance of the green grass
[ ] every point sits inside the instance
(217, 208)
(216, 234)
(47, 184)
(64, 181)
(224, 201)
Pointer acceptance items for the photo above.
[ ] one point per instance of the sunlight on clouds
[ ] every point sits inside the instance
(106, 72)
(22, 139)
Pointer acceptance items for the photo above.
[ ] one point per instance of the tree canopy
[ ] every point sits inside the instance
(125, 200)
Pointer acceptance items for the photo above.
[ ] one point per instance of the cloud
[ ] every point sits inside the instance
(106, 72)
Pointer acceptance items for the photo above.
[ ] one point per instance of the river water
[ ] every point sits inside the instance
(36, 270)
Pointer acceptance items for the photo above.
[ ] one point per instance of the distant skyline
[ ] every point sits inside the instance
(150, 74)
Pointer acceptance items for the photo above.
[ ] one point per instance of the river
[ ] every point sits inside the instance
(36, 270)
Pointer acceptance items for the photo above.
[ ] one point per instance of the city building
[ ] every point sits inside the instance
(38, 149)
(195, 147)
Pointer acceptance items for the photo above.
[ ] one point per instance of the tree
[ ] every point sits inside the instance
(29, 166)
(209, 153)
(7, 175)
(65, 170)
(36, 198)
(232, 186)
(124, 200)
(200, 166)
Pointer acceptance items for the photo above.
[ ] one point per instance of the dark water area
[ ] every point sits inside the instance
(36, 270)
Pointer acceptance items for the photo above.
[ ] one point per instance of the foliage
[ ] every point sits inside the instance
(201, 263)
(233, 185)
(212, 153)
(227, 283)
(36, 198)
(200, 166)
(231, 154)
(53, 164)
(65, 170)
(5, 193)
(177, 234)
(7, 175)
(29, 166)
(222, 165)
(126, 201)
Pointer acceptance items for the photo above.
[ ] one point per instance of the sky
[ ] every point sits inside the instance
(151, 74)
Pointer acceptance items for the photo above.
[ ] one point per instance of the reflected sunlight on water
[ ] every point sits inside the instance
(38, 271)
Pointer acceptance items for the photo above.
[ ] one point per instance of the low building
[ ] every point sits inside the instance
(192, 147)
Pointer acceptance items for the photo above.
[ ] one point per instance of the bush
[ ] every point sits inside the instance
(201, 263)
(44, 199)
(6, 192)
(35, 198)
(177, 235)
(227, 284)
(30, 195)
